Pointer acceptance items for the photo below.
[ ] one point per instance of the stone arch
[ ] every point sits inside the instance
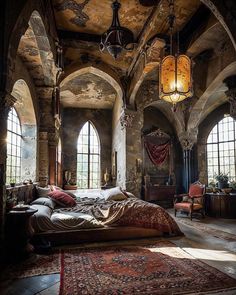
(223, 13)
(35, 9)
(201, 108)
(25, 110)
(101, 71)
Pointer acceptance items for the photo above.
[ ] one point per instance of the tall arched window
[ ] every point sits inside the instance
(221, 145)
(88, 158)
(14, 144)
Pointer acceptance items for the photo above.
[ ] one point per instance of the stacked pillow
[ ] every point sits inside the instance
(114, 194)
(52, 196)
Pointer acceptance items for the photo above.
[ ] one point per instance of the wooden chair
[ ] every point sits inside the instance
(191, 202)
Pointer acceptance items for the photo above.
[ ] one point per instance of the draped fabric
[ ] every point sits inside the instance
(157, 152)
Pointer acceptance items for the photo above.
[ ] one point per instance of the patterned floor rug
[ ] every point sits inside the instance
(34, 266)
(157, 268)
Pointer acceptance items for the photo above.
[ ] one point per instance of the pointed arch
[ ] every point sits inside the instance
(221, 149)
(88, 157)
(14, 148)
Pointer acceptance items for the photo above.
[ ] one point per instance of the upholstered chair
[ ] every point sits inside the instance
(191, 202)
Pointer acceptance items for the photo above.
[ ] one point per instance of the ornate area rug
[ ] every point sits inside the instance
(35, 266)
(157, 268)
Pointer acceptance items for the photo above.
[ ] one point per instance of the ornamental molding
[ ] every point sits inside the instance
(126, 119)
(188, 139)
(231, 94)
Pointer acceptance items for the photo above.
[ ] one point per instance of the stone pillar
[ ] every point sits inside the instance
(6, 102)
(133, 122)
(43, 158)
(47, 130)
(52, 153)
(187, 140)
(231, 94)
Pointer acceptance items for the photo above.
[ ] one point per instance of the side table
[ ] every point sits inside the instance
(18, 233)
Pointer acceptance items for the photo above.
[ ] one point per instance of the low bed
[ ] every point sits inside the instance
(96, 216)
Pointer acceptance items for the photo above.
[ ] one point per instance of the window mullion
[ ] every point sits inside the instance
(89, 155)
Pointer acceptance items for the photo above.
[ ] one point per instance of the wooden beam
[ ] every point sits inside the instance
(143, 37)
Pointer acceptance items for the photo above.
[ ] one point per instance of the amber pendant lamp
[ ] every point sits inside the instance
(175, 71)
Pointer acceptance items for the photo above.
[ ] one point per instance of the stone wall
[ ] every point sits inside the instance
(154, 119)
(118, 145)
(73, 120)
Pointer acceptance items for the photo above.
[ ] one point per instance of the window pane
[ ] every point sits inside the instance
(88, 157)
(221, 154)
(13, 172)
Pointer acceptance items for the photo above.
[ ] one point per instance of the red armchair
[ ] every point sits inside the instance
(191, 202)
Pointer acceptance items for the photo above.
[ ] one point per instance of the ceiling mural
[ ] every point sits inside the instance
(88, 91)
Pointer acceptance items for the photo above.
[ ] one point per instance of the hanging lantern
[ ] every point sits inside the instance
(117, 38)
(175, 78)
(175, 72)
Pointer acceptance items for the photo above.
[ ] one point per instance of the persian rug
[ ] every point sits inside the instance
(157, 268)
(35, 266)
(206, 229)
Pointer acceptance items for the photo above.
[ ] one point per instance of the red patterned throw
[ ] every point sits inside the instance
(157, 268)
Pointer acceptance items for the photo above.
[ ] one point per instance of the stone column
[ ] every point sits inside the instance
(47, 130)
(231, 94)
(6, 102)
(43, 158)
(187, 140)
(52, 153)
(133, 122)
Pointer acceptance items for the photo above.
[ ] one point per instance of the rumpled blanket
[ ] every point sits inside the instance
(129, 212)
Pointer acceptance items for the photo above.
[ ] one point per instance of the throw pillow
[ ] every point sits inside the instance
(44, 201)
(62, 199)
(42, 192)
(113, 194)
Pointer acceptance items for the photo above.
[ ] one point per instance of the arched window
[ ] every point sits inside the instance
(221, 145)
(88, 158)
(14, 143)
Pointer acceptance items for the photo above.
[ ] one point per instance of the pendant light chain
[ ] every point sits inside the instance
(171, 20)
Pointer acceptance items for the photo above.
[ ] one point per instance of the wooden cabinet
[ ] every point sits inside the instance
(220, 205)
(161, 195)
(18, 233)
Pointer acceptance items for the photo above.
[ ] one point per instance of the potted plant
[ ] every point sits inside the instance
(222, 180)
(12, 182)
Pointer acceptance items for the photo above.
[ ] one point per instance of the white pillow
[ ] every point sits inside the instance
(113, 194)
(42, 192)
(45, 202)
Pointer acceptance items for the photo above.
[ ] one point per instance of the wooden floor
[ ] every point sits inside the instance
(215, 251)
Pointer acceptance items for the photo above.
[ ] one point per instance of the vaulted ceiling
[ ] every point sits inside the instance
(80, 24)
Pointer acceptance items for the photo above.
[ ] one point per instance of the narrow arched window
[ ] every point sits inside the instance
(14, 147)
(221, 146)
(88, 157)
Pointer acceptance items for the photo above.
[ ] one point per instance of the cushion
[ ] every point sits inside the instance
(195, 190)
(62, 199)
(55, 188)
(114, 194)
(128, 194)
(44, 201)
(42, 191)
(71, 194)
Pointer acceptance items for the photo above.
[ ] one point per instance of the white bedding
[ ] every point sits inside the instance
(45, 220)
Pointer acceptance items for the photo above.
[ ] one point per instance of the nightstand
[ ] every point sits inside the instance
(18, 233)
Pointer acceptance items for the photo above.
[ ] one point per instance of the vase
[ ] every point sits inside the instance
(222, 184)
